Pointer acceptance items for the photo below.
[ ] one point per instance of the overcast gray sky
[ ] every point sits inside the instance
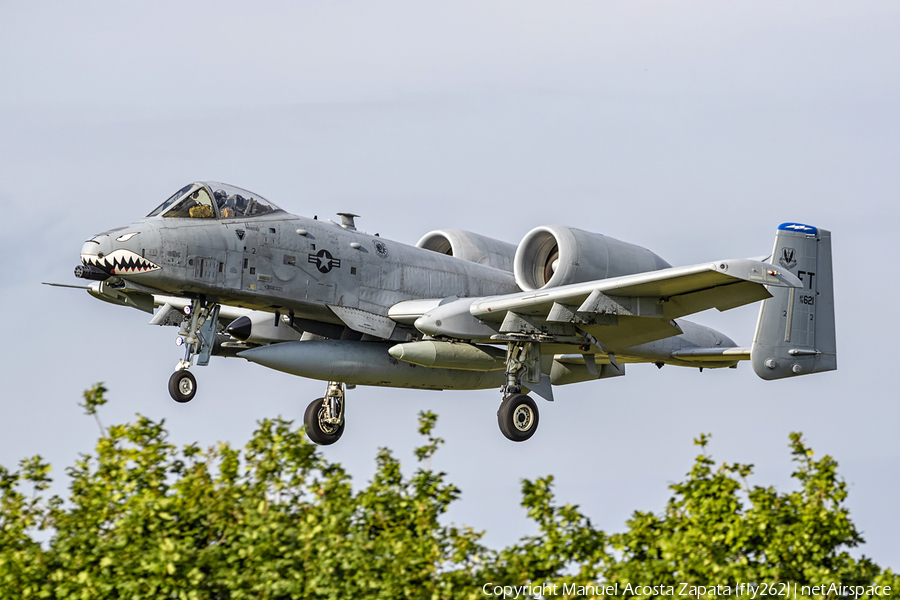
(692, 128)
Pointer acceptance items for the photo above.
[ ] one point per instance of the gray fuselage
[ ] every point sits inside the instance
(263, 263)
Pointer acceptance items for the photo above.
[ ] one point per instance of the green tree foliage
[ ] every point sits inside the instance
(147, 519)
(716, 530)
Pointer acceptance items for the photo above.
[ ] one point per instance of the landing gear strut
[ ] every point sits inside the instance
(197, 334)
(324, 417)
(518, 414)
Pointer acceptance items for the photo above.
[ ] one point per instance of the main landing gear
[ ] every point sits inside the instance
(518, 417)
(182, 385)
(518, 414)
(197, 334)
(324, 417)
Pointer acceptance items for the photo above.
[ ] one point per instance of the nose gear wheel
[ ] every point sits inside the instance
(197, 334)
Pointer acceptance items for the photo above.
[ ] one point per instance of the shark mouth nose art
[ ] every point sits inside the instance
(120, 262)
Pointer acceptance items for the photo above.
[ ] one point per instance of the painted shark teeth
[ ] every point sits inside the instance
(120, 262)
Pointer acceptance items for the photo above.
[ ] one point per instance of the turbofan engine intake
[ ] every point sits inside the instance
(552, 255)
(470, 247)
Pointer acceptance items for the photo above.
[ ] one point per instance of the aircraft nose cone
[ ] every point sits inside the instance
(95, 249)
(93, 266)
(240, 328)
(116, 253)
(89, 249)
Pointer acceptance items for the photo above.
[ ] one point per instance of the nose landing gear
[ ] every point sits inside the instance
(197, 334)
(324, 417)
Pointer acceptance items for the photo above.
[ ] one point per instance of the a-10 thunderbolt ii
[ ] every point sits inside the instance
(458, 311)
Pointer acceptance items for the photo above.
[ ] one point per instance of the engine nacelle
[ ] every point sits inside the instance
(471, 247)
(553, 255)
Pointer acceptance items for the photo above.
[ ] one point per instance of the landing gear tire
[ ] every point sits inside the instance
(518, 417)
(182, 386)
(317, 430)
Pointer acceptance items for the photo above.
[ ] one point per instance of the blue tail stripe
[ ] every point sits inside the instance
(798, 227)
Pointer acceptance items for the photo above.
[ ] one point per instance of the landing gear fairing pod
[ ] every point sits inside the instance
(239, 276)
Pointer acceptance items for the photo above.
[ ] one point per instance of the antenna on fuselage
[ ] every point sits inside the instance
(347, 221)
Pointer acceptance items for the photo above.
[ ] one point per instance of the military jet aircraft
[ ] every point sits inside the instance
(241, 277)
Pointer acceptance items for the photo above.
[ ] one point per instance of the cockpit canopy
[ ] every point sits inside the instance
(213, 200)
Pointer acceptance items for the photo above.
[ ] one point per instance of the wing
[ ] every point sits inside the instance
(633, 309)
(677, 291)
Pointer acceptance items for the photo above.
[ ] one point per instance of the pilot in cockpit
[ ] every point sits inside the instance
(226, 207)
(196, 200)
(231, 206)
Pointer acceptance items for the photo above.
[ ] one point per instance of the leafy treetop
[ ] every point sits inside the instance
(147, 519)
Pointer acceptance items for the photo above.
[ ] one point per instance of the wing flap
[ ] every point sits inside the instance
(720, 297)
(632, 331)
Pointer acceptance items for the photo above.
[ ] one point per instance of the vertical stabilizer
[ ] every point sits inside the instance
(795, 330)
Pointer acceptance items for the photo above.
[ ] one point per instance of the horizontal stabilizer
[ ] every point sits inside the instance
(712, 354)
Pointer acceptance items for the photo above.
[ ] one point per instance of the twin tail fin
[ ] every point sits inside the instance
(795, 330)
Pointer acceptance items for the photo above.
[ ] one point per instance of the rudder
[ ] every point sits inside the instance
(795, 331)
